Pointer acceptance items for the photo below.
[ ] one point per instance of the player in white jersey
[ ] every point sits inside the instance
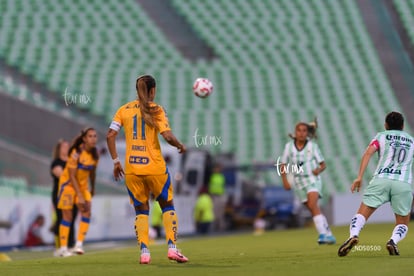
(303, 158)
(391, 182)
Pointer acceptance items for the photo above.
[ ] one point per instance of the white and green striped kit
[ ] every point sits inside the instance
(396, 151)
(306, 159)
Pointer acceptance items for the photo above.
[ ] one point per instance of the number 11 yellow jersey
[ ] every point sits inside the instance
(143, 152)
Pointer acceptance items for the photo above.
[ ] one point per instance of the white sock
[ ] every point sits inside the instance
(357, 223)
(399, 232)
(321, 224)
(63, 248)
(145, 250)
(79, 244)
(326, 225)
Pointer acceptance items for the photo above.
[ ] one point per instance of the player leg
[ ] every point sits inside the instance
(72, 231)
(163, 191)
(313, 193)
(139, 195)
(374, 196)
(355, 227)
(84, 222)
(401, 201)
(65, 203)
(320, 221)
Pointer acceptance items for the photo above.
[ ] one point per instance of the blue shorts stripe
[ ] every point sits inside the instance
(136, 202)
(61, 190)
(168, 208)
(164, 192)
(142, 212)
(65, 223)
(84, 219)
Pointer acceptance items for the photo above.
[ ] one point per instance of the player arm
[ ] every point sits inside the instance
(57, 171)
(74, 181)
(319, 159)
(373, 147)
(282, 167)
(163, 127)
(170, 138)
(321, 168)
(283, 174)
(110, 141)
(92, 177)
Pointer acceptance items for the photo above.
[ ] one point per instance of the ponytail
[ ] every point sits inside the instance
(144, 85)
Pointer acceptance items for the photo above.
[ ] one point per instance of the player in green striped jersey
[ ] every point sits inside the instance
(303, 158)
(391, 182)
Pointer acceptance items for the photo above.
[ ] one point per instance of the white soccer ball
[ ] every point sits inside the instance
(202, 87)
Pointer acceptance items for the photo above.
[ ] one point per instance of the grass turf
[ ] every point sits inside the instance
(282, 252)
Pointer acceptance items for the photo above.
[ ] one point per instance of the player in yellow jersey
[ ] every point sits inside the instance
(145, 169)
(74, 188)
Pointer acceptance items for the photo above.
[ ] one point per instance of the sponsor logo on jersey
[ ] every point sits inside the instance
(138, 160)
(138, 148)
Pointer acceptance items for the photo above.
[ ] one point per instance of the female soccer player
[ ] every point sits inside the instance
(303, 158)
(74, 189)
(60, 156)
(145, 168)
(391, 182)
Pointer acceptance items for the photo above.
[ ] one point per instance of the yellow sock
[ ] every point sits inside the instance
(63, 233)
(57, 242)
(142, 229)
(83, 229)
(169, 218)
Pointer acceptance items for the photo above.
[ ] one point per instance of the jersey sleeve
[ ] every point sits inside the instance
(72, 162)
(374, 142)
(318, 154)
(161, 120)
(116, 123)
(285, 156)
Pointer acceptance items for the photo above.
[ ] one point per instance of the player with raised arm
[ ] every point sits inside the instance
(306, 159)
(145, 168)
(391, 182)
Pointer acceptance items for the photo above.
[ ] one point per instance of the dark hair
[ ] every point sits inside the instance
(144, 85)
(79, 140)
(395, 121)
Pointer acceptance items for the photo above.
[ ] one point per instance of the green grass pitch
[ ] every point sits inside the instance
(282, 252)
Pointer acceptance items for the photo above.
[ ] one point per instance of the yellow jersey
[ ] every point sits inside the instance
(84, 163)
(143, 151)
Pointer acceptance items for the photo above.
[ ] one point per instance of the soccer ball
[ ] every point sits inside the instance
(203, 87)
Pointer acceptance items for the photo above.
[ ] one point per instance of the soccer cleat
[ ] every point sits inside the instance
(78, 250)
(145, 258)
(324, 239)
(175, 255)
(347, 246)
(64, 253)
(392, 248)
